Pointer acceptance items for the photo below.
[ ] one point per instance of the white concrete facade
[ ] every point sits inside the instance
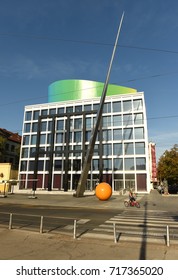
(121, 151)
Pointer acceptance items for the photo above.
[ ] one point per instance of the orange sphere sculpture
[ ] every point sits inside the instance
(103, 191)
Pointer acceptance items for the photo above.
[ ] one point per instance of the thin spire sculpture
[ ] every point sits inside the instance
(87, 162)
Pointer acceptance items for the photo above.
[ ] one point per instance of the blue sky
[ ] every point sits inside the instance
(42, 41)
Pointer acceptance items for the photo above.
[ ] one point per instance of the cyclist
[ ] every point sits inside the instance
(131, 196)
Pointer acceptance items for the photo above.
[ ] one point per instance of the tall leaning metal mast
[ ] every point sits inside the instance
(87, 162)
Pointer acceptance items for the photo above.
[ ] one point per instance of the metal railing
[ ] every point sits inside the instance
(37, 222)
(65, 225)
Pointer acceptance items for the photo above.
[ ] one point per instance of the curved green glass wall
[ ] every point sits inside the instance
(66, 90)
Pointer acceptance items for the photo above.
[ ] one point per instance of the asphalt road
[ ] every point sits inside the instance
(28, 217)
(27, 213)
(23, 244)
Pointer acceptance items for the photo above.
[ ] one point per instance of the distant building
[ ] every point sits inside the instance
(152, 161)
(56, 137)
(10, 147)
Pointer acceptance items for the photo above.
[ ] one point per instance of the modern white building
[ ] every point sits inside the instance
(56, 137)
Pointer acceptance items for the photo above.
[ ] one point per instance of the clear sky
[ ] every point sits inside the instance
(42, 41)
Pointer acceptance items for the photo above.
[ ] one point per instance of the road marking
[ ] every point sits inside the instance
(83, 221)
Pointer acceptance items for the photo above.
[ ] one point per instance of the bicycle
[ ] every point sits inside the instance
(132, 203)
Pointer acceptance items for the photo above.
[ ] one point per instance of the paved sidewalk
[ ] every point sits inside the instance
(21, 245)
(152, 201)
(65, 200)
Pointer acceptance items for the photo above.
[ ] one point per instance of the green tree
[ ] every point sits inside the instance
(168, 166)
(2, 147)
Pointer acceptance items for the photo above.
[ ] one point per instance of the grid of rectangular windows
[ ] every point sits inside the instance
(123, 137)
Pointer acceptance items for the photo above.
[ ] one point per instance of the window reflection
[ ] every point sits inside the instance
(140, 164)
(129, 164)
(118, 164)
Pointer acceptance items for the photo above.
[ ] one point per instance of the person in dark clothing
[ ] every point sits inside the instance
(131, 196)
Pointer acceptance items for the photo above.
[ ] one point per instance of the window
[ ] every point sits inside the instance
(78, 108)
(43, 126)
(57, 165)
(107, 150)
(44, 112)
(49, 138)
(107, 164)
(33, 139)
(42, 139)
(107, 135)
(127, 105)
(117, 120)
(127, 119)
(128, 134)
(106, 121)
(76, 164)
(42, 152)
(71, 123)
(129, 181)
(117, 149)
(52, 111)
(28, 116)
(24, 152)
(50, 126)
(58, 151)
(34, 127)
(87, 135)
(40, 165)
(26, 140)
(87, 107)
(60, 110)
(88, 122)
(139, 148)
(47, 165)
(117, 134)
(36, 115)
(128, 148)
(138, 118)
(118, 164)
(76, 148)
(31, 165)
(77, 123)
(77, 136)
(59, 137)
(27, 127)
(118, 182)
(95, 164)
(60, 125)
(140, 164)
(70, 136)
(107, 107)
(139, 133)
(129, 164)
(96, 150)
(137, 104)
(69, 109)
(95, 107)
(23, 166)
(32, 152)
(116, 106)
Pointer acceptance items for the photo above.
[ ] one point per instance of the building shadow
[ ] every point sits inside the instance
(144, 235)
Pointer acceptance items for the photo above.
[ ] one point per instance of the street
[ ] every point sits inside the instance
(94, 236)
(93, 218)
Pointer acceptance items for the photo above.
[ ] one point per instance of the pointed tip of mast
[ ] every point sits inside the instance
(123, 13)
